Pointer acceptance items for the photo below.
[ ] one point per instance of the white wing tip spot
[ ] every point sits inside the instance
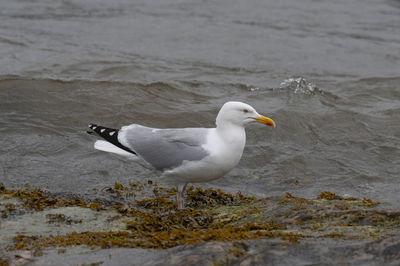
(112, 133)
(102, 130)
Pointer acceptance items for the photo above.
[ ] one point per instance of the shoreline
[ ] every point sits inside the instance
(38, 227)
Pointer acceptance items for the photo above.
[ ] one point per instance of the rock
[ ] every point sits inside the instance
(216, 228)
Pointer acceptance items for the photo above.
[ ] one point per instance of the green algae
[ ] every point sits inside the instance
(211, 215)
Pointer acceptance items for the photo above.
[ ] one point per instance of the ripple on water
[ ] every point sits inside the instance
(299, 85)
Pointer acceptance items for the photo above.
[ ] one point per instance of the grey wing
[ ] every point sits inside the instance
(165, 148)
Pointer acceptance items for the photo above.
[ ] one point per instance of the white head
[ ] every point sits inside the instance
(240, 114)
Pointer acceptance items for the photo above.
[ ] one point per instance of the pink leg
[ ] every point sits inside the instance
(180, 197)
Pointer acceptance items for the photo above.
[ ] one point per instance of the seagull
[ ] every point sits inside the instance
(185, 155)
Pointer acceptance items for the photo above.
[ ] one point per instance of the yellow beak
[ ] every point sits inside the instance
(265, 120)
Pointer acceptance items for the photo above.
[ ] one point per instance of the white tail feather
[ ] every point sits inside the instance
(108, 147)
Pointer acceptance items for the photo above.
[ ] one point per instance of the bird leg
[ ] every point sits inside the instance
(180, 196)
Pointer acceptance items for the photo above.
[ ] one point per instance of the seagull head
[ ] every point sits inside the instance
(240, 114)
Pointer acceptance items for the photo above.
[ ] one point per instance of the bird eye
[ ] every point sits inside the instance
(245, 111)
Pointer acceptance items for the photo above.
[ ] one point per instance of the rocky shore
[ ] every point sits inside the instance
(216, 228)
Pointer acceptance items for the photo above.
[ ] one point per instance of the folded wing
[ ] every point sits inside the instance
(164, 148)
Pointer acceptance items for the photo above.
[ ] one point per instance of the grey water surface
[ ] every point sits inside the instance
(328, 73)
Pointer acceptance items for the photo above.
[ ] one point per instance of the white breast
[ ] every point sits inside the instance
(225, 148)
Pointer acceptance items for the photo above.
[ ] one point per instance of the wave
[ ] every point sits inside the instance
(299, 85)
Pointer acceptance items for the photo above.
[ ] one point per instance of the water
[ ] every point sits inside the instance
(328, 73)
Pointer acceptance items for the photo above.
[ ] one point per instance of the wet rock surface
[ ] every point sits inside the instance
(216, 228)
(257, 252)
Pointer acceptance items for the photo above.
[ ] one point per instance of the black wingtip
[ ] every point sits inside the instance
(92, 127)
(109, 134)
